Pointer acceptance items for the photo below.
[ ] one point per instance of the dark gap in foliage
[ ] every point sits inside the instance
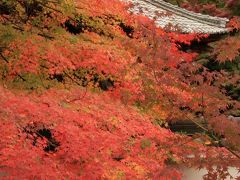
(199, 113)
(183, 108)
(38, 131)
(118, 158)
(227, 66)
(6, 8)
(221, 111)
(106, 84)
(230, 106)
(73, 28)
(84, 23)
(129, 30)
(52, 144)
(201, 46)
(233, 91)
(32, 7)
(195, 46)
(58, 77)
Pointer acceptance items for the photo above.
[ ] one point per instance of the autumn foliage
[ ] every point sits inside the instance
(85, 92)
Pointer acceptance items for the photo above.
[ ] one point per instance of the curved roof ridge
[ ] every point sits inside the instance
(177, 18)
(211, 20)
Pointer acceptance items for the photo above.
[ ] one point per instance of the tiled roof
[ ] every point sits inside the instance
(176, 18)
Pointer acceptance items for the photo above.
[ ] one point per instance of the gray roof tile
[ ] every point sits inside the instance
(187, 21)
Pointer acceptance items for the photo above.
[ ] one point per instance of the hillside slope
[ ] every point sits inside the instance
(85, 93)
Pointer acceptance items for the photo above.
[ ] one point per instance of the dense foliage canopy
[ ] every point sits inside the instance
(89, 92)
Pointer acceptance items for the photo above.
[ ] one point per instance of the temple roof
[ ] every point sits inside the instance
(179, 19)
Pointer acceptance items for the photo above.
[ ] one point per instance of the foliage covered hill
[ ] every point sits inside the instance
(85, 90)
(94, 137)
